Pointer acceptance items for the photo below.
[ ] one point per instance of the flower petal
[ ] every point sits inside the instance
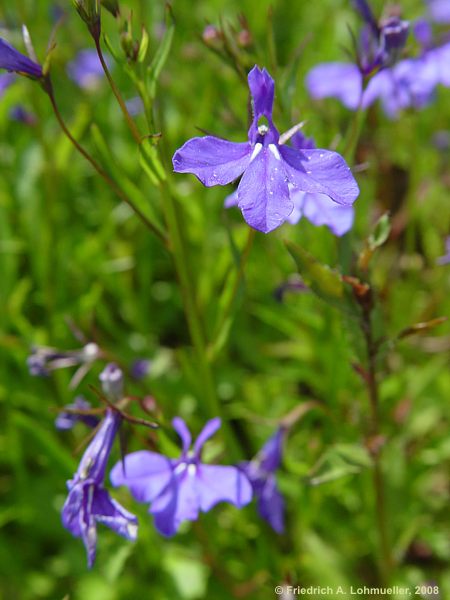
(271, 505)
(109, 512)
(13, 60)
(212, 160)
(321, 210)
(208, 430)
(322, 172)
(262, 89)
(163, 510)
(263, 192)
(185, 435)
(336, 80)
(218, 483)
(270, 454)
(146, 474)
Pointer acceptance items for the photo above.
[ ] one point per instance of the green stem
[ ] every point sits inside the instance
(111, 183)
(131, 124)
(386, 562)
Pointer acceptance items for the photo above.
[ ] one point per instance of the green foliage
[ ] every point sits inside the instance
(71, 250)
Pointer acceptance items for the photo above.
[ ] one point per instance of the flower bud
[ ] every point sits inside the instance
(112, 382)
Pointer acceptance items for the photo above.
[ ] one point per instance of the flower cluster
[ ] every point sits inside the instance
(398, 84)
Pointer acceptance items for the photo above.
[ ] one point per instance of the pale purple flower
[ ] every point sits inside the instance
(21, 114)
(445, 259)
(261, 473)
(317, 208)
(270, 170)
(178, 489)
(86, 69)
(14, 61)
(439, 10)
(66, 420)
(88, 502)
(6, 80)
(140, 368)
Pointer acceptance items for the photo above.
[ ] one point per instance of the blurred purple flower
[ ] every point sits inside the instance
(178, 489)
(21, 114)
(6, 80)
(86, 70)
(14, 61)
(320, 209)
(269, 170)
(261, 473)
(88, 503)
(66, 420)
(293, 284)
(445, 259)
(43, 360)
(439, 10)
(135, 106)
(140, 368)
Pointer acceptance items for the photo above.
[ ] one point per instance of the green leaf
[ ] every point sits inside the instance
(161, 53)
(381, 232)
(340, 461)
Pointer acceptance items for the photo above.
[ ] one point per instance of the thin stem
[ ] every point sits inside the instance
(111, 183)
(193, 317)
(131, 124)
(378, 480)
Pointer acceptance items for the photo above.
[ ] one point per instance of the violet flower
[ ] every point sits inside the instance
(86, 69)
(261, 473)
(88, 503)
(66, 420)
(270, 171)
(140, 368)
(14, 61)
(317, 208)
(178, 489)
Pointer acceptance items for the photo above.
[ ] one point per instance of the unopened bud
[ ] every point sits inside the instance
(112, 382)
(89, 11)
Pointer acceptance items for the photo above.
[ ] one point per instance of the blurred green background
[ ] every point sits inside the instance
(69, 249)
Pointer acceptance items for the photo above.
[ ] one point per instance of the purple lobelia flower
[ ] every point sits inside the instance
(317, 208)
(88, 503)
(178, 489)
(140, 368)
(86, 70)
(269, 170)
(67, 419)
(14, 61)
(261, 473)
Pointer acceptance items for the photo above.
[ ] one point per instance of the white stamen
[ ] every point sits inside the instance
(192, 469)
(274, 151)
(180, 468)
(263, 129)
(256, 150)
(132, 530)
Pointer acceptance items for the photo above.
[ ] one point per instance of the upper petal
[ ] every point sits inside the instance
(208, 430)
(213, 160)
(338, 80)
(271, 505)
(185, 435)
(322, 172)
(321, 210)
(263, 192)
(218, 483)
(262, 89)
